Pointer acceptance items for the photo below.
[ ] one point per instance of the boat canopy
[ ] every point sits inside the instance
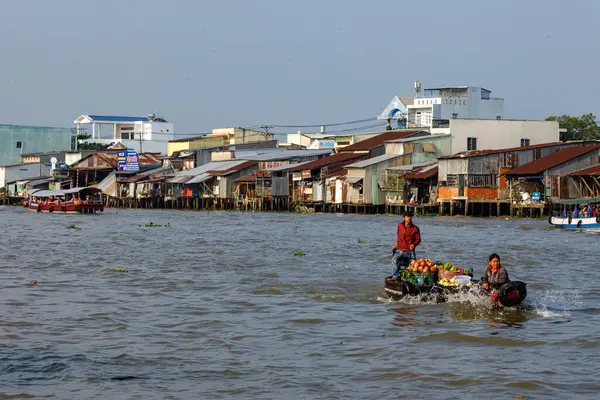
(63, 192)
(578, 201)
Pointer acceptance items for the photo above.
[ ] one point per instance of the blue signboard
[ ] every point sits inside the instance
(128, 161)
(535, 196)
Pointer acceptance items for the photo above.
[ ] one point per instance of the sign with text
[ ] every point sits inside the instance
(128, 161)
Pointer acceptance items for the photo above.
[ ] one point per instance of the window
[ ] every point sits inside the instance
(19, 145)
(524, 142)
(471, 143)
(482, 180)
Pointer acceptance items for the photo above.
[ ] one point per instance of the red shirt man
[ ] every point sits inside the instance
(409, 235)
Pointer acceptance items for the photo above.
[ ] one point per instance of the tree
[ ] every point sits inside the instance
(577, 128)
(82, 143)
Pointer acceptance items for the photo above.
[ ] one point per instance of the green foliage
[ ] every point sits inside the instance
(152, 225)
(121, 270)
(74, 227)
(577, 128)
(361, 241)
(299, 253)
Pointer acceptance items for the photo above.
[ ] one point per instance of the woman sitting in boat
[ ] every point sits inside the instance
(495, 275)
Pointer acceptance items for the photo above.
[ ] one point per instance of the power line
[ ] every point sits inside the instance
(332, 124)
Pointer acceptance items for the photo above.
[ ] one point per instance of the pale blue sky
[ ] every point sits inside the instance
(206, 64)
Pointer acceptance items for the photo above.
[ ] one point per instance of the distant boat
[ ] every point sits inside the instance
(84, 200)
(571, 217)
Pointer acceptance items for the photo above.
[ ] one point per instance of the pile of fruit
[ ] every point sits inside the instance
(452, 282)
(422, 266)
(448, 267)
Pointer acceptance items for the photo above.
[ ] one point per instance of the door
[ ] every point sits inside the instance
(461, 185)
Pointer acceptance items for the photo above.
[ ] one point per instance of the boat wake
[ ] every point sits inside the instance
(556, 303)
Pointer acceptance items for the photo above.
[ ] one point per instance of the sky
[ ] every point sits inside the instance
(209, 64)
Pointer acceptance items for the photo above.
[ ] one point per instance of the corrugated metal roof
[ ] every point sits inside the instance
(252, 176)
(211, 166)
(540, 165)
(409, 167)
(425, 172)
(283, 155)
(376, 141)
(591, 171)
(339, 157)
(200, 178)
(110, 158)
(373, 161)
(180, 179)
(287, 166)
(232, 169)
(411, 139)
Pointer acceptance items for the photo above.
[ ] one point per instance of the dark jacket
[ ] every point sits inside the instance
(407, 236)
(497, 278)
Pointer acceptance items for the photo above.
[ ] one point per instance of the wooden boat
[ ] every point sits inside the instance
(84, 200)
(510, 294)
(568, 215)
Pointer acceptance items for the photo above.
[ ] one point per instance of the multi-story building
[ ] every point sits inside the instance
(443, 103)
(143, 134)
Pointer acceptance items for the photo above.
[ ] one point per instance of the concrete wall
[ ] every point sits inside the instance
(33, 139)
(498, 134)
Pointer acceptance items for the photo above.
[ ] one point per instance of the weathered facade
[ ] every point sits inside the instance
(479, 175)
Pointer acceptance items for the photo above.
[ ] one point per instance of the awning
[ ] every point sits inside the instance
(353, 179)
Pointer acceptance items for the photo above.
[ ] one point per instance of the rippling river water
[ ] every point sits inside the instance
(216, 305)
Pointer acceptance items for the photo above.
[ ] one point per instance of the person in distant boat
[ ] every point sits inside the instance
(408, 238)
(494, 275)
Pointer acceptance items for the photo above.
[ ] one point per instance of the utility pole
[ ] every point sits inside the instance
(141, 139)
(266, 128)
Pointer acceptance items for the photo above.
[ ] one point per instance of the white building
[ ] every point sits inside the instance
(143, 134)
(444, 103)
(491, 134)
(16, 172)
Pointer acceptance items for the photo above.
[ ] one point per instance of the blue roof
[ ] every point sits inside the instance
(116, 118)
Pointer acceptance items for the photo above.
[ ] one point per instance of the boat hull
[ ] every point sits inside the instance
(575, 223)
(509, 295)
(66, 208)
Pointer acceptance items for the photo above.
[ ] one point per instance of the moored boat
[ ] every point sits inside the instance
(576, 214)
(84, 200)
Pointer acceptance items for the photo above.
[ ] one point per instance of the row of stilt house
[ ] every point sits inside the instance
(387, 173)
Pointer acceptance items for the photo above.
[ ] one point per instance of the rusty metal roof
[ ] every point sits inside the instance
(540, 165)
(110, 158)
(426, 172)
(591, 171)
(379, 140)
(324, 162)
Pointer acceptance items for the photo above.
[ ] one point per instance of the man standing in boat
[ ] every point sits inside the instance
(409, 237)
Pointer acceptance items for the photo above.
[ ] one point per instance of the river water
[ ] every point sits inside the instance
(216, 305)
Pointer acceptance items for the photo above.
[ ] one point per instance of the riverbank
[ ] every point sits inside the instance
(451, 208)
